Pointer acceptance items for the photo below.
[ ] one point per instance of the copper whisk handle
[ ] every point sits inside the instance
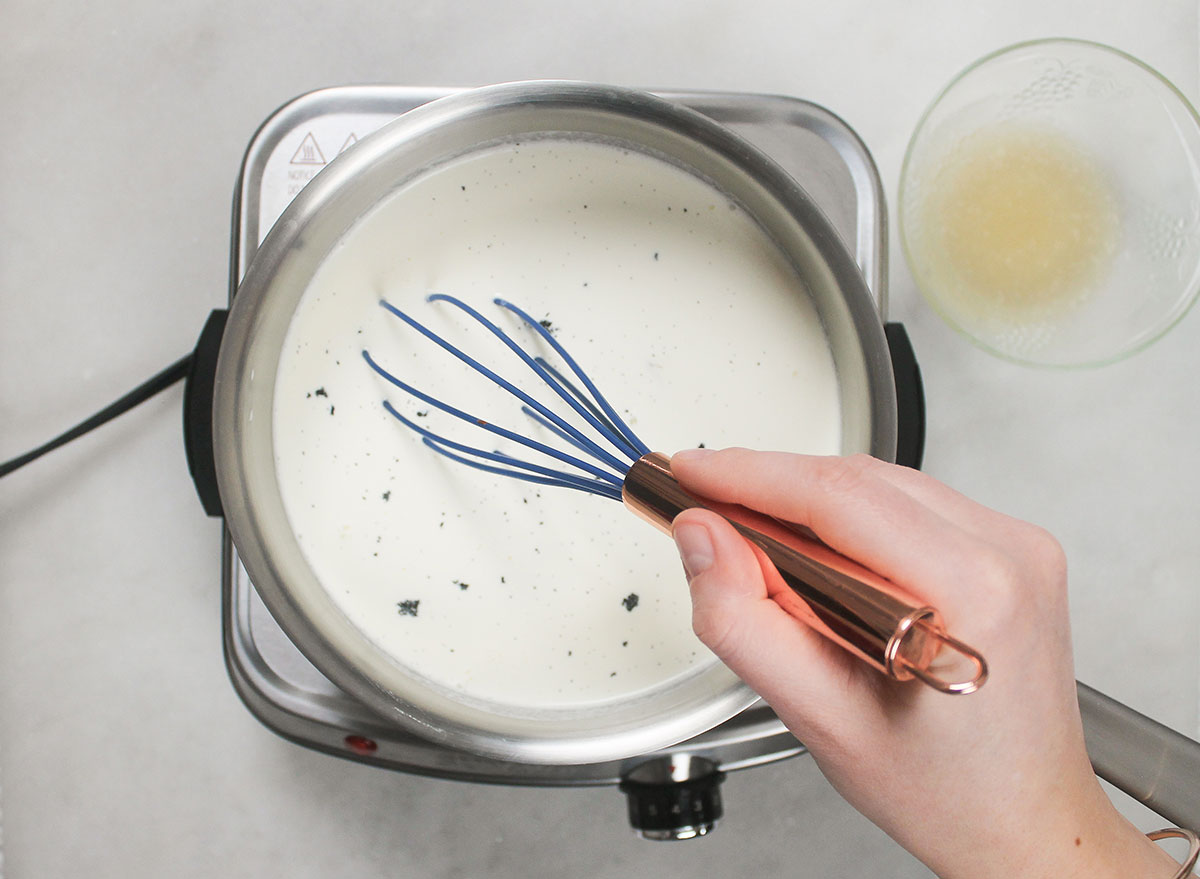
(849, 604)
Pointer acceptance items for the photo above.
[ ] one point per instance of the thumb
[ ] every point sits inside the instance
(725, 580)
(791, 666)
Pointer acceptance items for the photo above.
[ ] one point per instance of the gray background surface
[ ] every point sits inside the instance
(124, 751)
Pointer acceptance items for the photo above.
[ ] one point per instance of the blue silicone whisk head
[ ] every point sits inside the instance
(602, 435)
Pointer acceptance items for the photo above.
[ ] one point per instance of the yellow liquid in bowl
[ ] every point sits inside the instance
(1017, 226)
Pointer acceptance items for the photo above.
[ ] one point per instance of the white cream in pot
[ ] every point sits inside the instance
(679, 307)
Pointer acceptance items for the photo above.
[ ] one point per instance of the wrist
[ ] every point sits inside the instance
(1133, 853)
(1110, 848)
(1085, 842)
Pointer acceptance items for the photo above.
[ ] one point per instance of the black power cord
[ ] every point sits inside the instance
(160, 382)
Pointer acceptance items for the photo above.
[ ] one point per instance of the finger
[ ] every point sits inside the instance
(933, 493)
(856, 512)
(798, 672)
(982, 521)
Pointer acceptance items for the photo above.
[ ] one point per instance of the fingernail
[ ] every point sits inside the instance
(695, 549)
(692, 454)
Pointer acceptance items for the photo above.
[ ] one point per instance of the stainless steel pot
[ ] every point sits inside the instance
(297, 245)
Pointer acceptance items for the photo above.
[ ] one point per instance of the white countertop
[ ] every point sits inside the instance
(124, 751)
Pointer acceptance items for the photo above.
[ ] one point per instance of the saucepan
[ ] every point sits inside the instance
(310, 230)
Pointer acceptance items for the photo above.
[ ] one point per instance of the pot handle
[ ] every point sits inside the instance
(1151, 762)
(198, 412)
(910, 398)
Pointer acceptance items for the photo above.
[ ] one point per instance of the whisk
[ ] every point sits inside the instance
(849, 604)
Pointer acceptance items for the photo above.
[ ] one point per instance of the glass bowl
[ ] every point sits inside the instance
(1050, 204)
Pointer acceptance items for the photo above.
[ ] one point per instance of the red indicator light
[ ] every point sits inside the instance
(360, 744)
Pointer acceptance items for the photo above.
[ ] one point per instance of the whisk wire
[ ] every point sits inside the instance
(586, 401)
(605, 483)
(605, 457)
(563, 435)
(617, 440)
(560, 480)
(585, 466)
(638, 447)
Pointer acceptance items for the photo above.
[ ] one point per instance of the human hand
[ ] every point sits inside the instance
(993, 784)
